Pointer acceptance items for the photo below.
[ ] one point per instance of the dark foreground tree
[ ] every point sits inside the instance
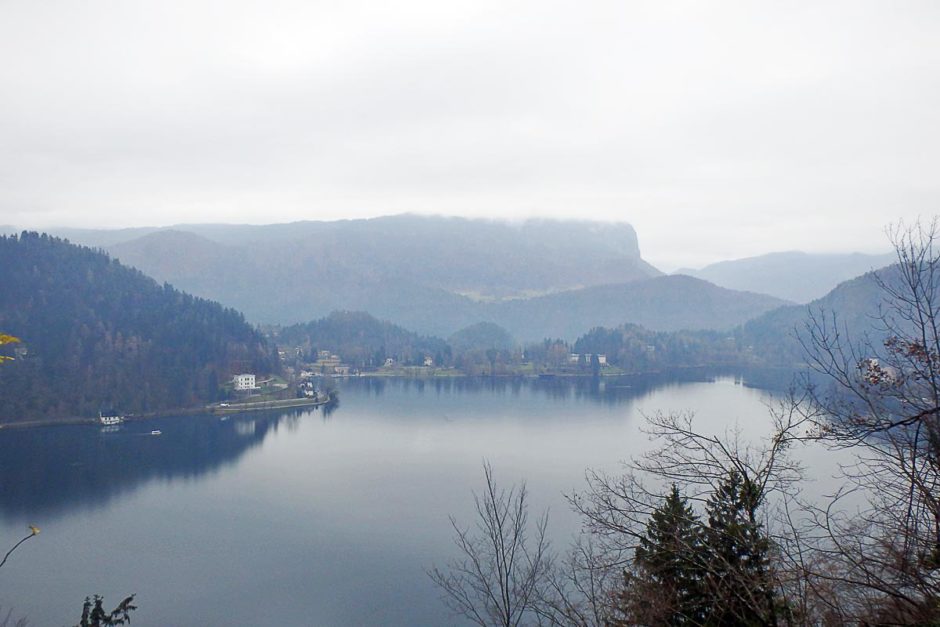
(738, 586)
(503, 560)
(94, 615)
(668, 583)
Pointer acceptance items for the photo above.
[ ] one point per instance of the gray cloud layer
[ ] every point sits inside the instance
(718, 129)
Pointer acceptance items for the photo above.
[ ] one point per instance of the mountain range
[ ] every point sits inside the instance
(432, 275)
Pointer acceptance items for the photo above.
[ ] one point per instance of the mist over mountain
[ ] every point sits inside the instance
(482, 259)
(434, 275)
(796, 276)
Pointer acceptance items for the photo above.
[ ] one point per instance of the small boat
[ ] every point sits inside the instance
(156, 432)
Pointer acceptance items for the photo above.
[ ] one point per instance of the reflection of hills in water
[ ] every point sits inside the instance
(603, 390)
(48, 471)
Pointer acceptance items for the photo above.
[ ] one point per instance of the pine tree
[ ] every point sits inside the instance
(738, 583)
(667, 587)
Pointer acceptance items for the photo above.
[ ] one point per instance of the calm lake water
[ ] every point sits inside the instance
(314, 518)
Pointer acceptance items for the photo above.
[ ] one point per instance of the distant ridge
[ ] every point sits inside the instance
(563, 254)
(668, 303)
(796, 276)
(854, 303)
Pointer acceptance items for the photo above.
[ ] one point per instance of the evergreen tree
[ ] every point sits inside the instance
(668, 586)
(739, 589)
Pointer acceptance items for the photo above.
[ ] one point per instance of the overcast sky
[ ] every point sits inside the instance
(718, 129)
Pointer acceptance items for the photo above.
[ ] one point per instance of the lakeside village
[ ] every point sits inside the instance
(252, 394)
(308, 383)
(502, 363)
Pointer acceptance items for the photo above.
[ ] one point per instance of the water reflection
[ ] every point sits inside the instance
(49, 471)
(284, 519)
(600, 390)
(46, 472)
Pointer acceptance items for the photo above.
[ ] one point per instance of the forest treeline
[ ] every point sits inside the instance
(364, 343)
(98, 336)
(361, 340)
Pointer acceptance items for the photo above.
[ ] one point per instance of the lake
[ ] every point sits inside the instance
(316, 518)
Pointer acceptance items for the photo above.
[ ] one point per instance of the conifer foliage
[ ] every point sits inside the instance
(737, 556)
(687, 571)
(98, 336)
(668, 587)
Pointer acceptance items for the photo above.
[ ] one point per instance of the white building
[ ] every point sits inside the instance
(244, 382)
(110, 420)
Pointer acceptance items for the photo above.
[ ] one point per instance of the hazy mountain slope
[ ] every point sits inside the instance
(795, 276)
(855, 303)
(101, 238)
(666, 303)
(476, 257)
(99, 335)
(286, 282)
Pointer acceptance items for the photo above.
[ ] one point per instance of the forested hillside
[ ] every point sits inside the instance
(635, 349)
(362, 341)
(99, 336)
(851, 309)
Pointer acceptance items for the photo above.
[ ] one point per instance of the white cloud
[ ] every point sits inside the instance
(719, 129)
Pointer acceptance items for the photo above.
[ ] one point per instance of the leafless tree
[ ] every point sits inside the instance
(882, 558)
(7, 620)
(580, 588)
(503, 563)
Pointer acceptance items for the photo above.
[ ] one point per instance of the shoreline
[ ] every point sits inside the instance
(208, 410)
(237, 408)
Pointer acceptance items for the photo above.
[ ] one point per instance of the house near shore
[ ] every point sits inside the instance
(244, 382)
(111, 419)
